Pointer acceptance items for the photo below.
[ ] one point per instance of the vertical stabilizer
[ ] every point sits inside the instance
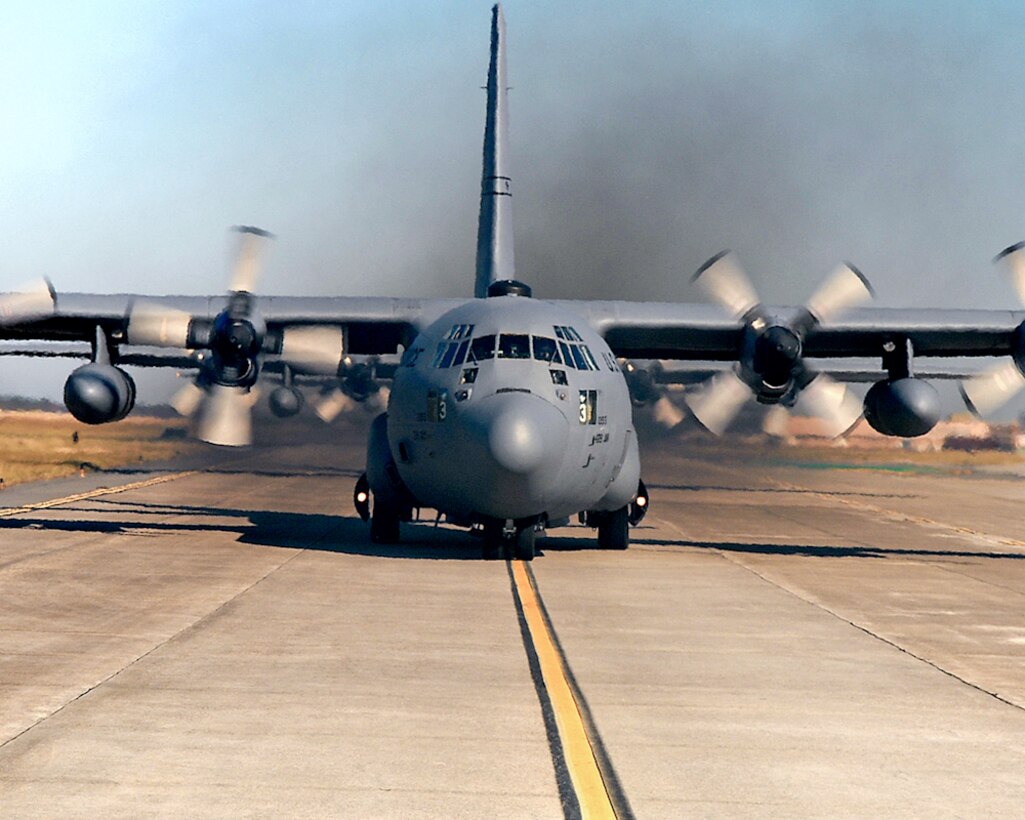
(494, 228)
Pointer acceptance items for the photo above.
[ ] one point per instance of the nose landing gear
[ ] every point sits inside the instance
(513, 540)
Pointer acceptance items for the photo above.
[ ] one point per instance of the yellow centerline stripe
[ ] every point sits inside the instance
(580, 760)
(71, 499)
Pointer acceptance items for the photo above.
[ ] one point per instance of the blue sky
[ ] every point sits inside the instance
(645, 138)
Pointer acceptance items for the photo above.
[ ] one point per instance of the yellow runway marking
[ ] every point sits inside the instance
(587, 780)
(71, 499)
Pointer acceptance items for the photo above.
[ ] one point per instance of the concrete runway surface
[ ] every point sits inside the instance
(221, 640)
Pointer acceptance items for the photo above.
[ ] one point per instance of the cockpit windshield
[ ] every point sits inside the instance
(545, 350)
(514, 346)
(567, 350)
(483, 347)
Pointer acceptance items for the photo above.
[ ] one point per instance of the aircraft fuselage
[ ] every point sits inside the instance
(511, 408)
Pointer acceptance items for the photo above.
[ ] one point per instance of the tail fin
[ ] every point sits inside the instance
(494, 227)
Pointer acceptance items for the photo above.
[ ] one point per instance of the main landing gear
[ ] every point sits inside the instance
(516, 543)
(614, 529)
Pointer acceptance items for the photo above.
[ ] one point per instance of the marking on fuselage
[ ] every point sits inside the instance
(580, 750)
(71, 499)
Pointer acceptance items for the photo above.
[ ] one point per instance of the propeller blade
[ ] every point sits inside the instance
(777, 421)
(725, 282)
(846, 287)
(716, 405)
(378, 402)
(313, 348)
(27, 302)
(838, 408)
(187, 399)
(328, 408)
(157, 325)
(225, 417)
(667, 413)
(993, 388)
(252, 243)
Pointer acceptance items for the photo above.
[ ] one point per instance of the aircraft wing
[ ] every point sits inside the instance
(372, 325)
(656, 330)
(634, 330)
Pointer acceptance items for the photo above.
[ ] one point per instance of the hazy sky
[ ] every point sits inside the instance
(645, 137)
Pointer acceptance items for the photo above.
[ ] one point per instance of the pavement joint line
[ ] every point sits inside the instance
(905, 517)
(156, 647)
(864, 629)
(99, 491)
(589, 784)
(737, 562)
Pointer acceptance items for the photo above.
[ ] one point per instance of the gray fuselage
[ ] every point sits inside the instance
(511, 408)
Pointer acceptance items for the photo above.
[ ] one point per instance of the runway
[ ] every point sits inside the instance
(220, 639)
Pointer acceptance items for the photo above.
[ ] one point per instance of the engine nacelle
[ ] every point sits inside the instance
(99, 393)
(285, 401)
(905, 407)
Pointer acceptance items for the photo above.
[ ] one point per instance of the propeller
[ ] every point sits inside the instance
(994, 387)
(221, 398)
(645, 390)
(31, 301)
(771, 364)
(357, 387)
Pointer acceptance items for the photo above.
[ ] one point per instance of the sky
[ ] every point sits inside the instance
(645, 137)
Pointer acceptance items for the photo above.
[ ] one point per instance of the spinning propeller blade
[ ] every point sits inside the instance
(846, 287)
(838, 408)
(717, 404)
(224, 415)
(993, 388)
(725, 282)
(30, 301)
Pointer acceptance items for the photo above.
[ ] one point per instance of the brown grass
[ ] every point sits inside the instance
(36, 445)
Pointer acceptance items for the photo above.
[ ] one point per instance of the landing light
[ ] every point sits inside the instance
(361, 497)
(639, 506)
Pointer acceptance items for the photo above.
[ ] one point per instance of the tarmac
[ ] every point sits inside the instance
(221, 639)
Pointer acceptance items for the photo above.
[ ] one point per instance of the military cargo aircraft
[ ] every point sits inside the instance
(510, 414)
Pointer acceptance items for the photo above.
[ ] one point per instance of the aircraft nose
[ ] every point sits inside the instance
(520, 432)
(516, 440)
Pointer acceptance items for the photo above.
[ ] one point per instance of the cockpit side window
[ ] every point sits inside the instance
(482, 348)
(446, 360)
(566, 356)
(514, 346)
(457, 332)
(439, 354)
(545, 350)
(589, 356)
(578, 357)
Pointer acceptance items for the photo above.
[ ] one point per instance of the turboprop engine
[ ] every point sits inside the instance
(904, 407)
(98, 393)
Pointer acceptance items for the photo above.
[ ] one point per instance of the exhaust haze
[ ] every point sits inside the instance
(644, 139)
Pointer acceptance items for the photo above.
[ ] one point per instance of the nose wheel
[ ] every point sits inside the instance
(519, 544)
(614, 529)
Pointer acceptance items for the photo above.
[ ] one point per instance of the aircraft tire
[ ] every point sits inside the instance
(614, 530)
(384, 526)
(525, 544)
(494, 543)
